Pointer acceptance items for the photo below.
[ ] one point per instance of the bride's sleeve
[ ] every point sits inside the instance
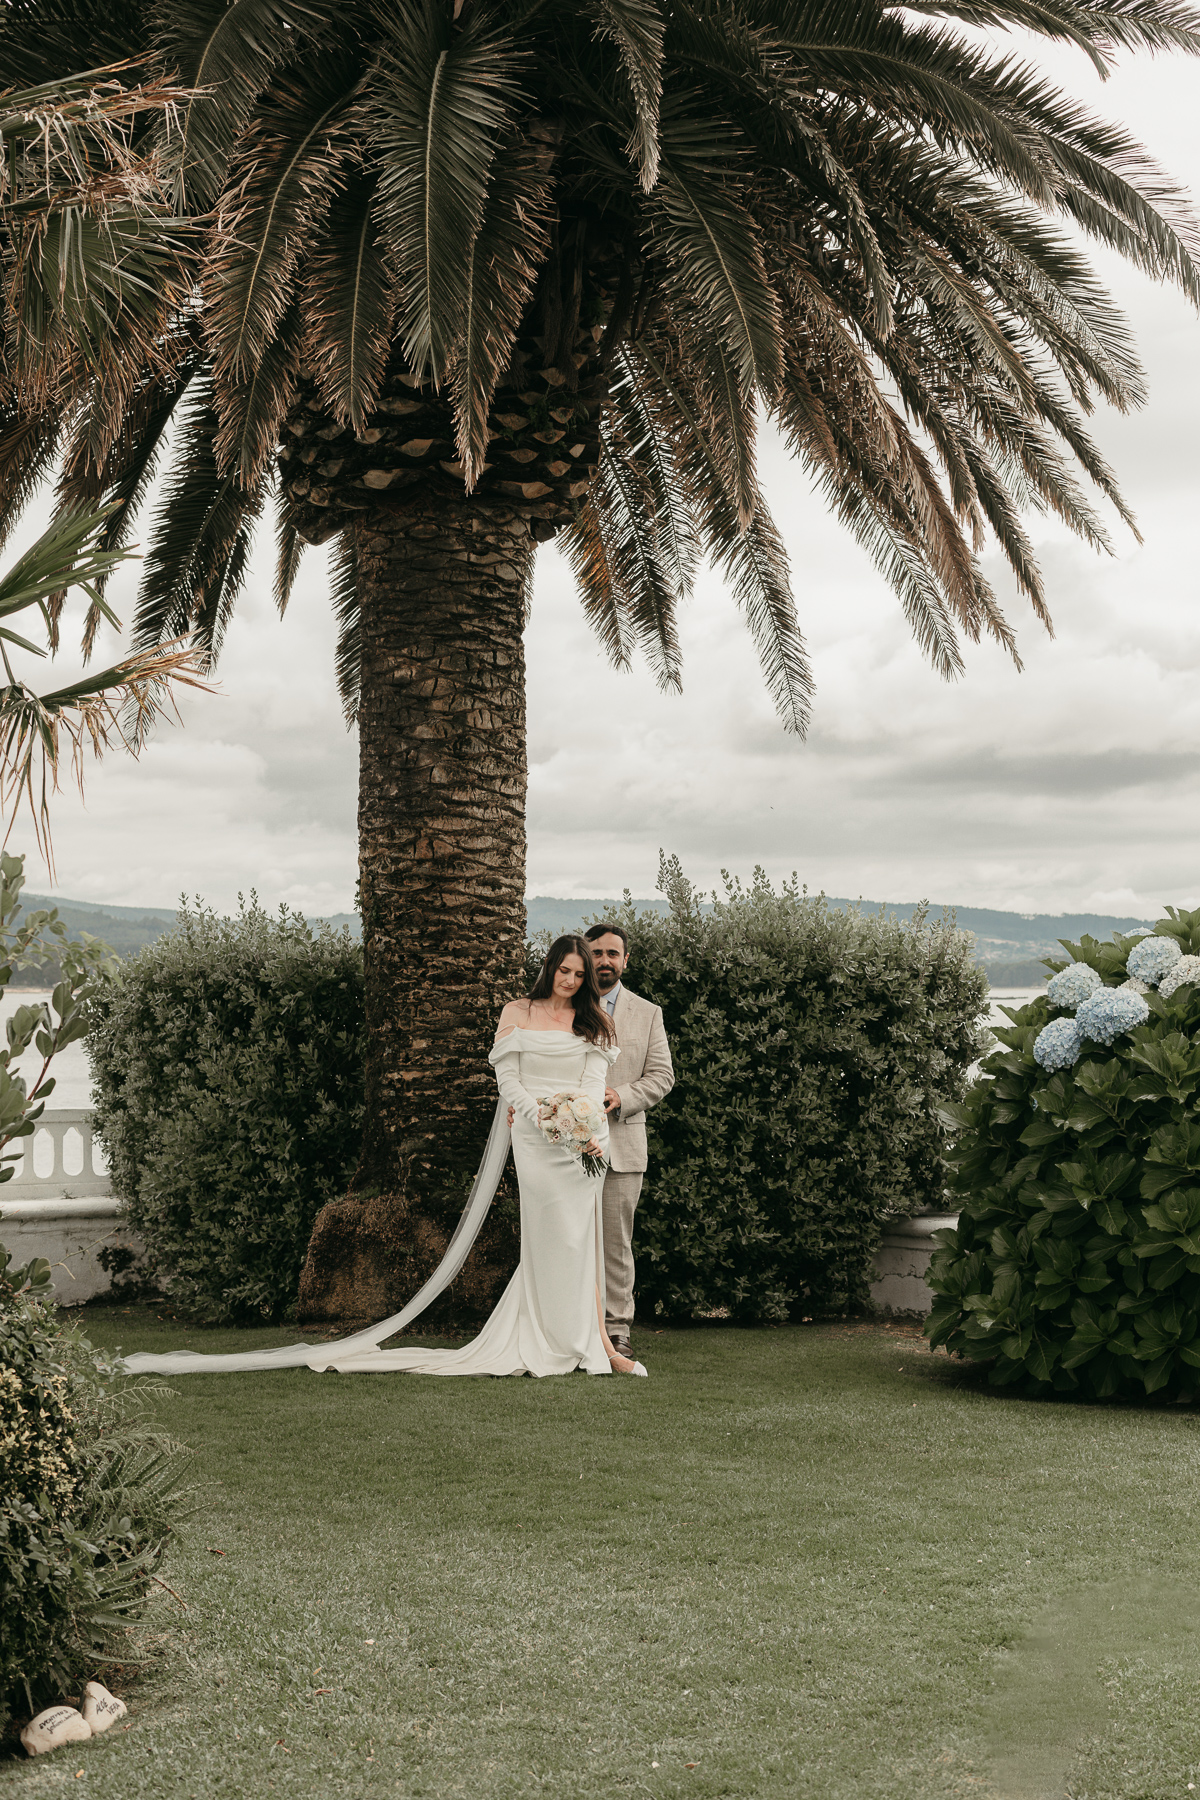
(595, 1079)
(505, 1058)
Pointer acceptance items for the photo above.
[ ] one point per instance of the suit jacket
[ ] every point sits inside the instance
(642, 1076)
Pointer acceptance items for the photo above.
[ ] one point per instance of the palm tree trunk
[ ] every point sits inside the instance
(442, 860)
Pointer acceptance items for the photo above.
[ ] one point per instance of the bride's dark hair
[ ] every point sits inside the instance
(591, 1020)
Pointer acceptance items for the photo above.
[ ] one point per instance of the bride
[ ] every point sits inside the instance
(550, 1318)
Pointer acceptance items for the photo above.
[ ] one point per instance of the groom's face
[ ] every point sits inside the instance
(608, 954)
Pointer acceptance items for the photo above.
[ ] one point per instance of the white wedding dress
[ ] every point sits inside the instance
(545, 1322)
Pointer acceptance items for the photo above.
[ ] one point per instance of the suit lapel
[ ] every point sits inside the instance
(624, 1013)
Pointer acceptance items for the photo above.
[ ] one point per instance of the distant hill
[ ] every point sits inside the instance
(125, 929)
(1008, 945)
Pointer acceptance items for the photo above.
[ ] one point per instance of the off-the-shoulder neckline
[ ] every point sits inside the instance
(543, 1031)
(546, 1031)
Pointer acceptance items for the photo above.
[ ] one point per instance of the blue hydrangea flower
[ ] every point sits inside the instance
(1072, 985)
(1057, 1045)
(1110, 1012)
(1187, 969)
(1151, 959)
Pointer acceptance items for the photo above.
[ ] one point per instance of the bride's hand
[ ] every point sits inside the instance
(592, 1148)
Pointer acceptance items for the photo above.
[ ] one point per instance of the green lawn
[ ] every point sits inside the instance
(806, 1561)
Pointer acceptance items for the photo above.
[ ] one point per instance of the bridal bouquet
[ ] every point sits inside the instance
(573, 1120)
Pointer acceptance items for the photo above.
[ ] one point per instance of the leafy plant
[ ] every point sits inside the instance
(228, 1059)
(813, 1049)
(1075, 1265)
(89, 1496)
(84, 965)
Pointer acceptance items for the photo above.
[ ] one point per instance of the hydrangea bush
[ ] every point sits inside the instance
(1075, 1265)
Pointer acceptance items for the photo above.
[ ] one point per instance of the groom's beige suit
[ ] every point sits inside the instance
(641, 1075)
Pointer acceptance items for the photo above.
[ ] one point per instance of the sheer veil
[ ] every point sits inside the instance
(319, 1356)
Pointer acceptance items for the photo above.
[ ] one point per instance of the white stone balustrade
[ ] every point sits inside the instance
(60, 1205)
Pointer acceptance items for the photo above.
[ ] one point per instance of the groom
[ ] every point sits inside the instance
(641, 1076)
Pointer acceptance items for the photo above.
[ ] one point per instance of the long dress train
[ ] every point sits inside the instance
(545, 1322)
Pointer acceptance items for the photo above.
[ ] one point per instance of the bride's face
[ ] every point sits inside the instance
(568, 977)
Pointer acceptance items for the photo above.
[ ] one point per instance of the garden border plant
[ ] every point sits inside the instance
(228, 1060)
(88, 1487)
(1075, 1264)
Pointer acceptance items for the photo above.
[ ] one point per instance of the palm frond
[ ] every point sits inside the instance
(287, 168)
(289, 551)
(98, 289)
(443, 107)
(115, 706)
(114, 458)
(195, 561)
(752, 557)
(706, 241)
(501, 269)
(349, 303)
(343, 592)
(637, 27)
(29, 443)
(225, 52)
(254, 406)
(646, 433)
(600, 589)
(1098, 27)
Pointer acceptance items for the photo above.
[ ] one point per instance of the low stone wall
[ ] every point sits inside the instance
(898, 1285)
(60, 1205)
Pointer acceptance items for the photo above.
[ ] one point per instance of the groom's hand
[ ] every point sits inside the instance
(612, 1100)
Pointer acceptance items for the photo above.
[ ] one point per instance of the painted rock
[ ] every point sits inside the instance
(100, 1708)
(57, 1725)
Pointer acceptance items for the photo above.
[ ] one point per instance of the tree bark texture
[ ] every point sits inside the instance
(441, 585)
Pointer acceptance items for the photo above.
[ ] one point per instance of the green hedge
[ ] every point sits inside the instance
(88, 1499)
(1075, 1267)
(228, 1059)
(813, 1048)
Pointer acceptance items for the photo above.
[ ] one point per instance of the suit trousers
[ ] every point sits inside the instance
(621, 1195)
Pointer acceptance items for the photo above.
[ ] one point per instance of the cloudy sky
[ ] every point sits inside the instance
(1072, 785)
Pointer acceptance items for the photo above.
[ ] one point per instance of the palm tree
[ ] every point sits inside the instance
(94, 267)
(482, 273)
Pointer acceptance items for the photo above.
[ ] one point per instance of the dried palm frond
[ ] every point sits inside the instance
(118, 705)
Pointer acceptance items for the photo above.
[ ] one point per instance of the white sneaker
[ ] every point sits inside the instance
(639, 1369)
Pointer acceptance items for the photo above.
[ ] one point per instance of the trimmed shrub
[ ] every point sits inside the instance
(88, 1499)
(1075, 1267)
(228, 1060)
(812, 1048)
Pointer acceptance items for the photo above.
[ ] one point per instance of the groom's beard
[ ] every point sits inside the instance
(607, 979)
